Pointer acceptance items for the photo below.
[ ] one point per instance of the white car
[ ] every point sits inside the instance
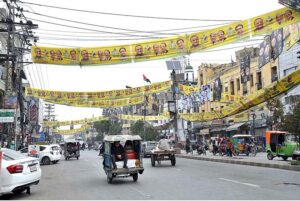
(18, 172)
(46, 153)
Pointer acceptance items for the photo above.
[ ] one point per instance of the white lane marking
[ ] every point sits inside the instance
(140, 192)
(247, 184)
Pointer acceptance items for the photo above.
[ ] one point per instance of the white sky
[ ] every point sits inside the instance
(98, 78)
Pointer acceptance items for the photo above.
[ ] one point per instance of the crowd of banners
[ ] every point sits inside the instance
(73, 122)
(168, 47)
(272, 45)
(71, 131)
(100, 103)
(100, 95)
(261, 96)
(146, 118)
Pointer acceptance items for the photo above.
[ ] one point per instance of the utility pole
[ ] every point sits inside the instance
(174, 113)
(50, 116)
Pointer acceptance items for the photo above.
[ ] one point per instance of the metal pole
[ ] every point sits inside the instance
(175, 105)
(144, 114)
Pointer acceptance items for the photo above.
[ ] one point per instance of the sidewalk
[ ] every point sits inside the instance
(259, 160)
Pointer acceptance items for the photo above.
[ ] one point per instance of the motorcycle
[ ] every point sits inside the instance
(201, 150)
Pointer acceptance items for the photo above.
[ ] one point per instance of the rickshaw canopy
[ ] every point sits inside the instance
(241, 136)
(121, 138)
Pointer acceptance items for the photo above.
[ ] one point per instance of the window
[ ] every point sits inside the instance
(251, 80)
(226, 87)
(238, 84)
(274, 76)
(245, 88)
(289, 70)
(212, 109)
(201, 79)
(258, 81)
(232, 87)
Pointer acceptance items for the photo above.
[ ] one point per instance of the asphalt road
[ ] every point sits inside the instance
(189, 179)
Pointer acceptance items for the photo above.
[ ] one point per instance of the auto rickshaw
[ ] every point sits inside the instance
(134, 155)
(71, 149)
(281, 144)
(244, 144)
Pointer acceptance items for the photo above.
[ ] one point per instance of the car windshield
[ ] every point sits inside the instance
(9, 155)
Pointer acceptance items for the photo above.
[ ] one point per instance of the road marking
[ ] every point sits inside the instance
(247, 184)
(140, 192)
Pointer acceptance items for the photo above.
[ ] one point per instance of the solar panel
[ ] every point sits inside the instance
(176, 65)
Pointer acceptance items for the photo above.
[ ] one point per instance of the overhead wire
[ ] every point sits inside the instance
(126, 15)
(95, 25)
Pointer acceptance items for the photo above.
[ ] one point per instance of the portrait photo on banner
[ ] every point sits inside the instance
(264, 52)
(276, 43)
(245, 68)
(217, 89)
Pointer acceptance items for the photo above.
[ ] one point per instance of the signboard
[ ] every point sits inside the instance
(7, 115)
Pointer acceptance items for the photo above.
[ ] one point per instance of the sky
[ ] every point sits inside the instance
(109, 77)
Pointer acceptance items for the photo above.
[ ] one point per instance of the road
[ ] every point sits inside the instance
(189, 179)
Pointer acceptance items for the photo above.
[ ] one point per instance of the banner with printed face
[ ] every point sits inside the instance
(291, 35)
(264, 52)
(71, 131)
(217, 89)
(105, 55)
(101, 95)
(245, 68)
(158, 49)
(52, 55)
(276, 43)
(100, 103)
(271, 21)
(73, 122)
(168, 47)
(261, 96)
(218, 36)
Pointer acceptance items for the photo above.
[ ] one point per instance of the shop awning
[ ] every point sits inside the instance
(204, 131)
(218, 129)
(235, 127)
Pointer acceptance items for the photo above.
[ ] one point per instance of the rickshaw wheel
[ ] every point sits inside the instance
(135, 177)
(284, 158)
(152, 160)
(270, 156)
(109, 178)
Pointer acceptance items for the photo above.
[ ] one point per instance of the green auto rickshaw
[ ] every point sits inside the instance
(281, 144)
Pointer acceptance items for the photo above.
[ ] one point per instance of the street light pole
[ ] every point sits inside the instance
(175, 107)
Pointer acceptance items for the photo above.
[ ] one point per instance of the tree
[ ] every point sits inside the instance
(291, 121)
(275, 106)
(148, 134)
(115, 129)
(102, 126)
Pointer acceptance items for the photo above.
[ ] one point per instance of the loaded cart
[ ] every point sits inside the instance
(163, 152)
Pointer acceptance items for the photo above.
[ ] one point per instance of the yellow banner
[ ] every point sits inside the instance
(71, 131)
(269, 22)
(261, 96)
(100, 103)
(147, 118)
(187, 90)
(227, 97)
(168, 47)
(291, 35)
(74, 122)
(101, 95)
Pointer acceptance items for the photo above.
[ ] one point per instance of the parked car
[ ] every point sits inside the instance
(18, 172)
(147, 147)
(46, 153)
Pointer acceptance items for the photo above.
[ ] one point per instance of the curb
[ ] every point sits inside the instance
(232, 161)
